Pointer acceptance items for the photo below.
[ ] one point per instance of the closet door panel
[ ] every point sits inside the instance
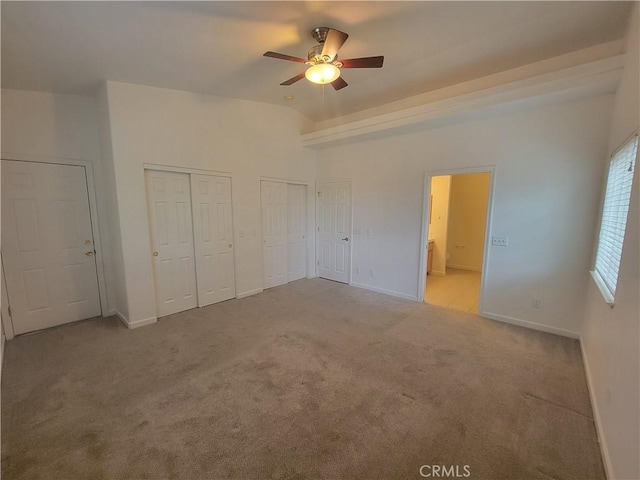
(274, 232)
(170, 218)
(213, 235)
(297, 231)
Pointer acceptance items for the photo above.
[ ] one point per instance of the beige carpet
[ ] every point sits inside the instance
(310, 380)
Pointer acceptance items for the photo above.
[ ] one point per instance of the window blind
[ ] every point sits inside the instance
(614, 214)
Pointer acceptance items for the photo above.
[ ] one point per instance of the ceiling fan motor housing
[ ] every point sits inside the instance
(320, 34)
(315, 56)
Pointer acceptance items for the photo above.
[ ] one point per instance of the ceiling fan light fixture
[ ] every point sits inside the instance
(322, 59)
(322, 73)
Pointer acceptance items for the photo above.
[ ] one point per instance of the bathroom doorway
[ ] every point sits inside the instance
(455, 233)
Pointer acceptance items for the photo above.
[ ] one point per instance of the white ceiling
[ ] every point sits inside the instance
(216, 47)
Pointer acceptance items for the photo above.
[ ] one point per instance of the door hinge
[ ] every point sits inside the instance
(318, 228)
(319, 193)
(318, 262)
(9, 310)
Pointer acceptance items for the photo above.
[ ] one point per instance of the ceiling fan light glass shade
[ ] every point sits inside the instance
(322, 73)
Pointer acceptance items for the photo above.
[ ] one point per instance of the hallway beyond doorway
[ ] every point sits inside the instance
(459, 289)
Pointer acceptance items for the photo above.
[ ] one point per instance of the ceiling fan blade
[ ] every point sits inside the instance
(282, 56)
(293, 80)
(339, 83)
(366, 62)
(335, 39)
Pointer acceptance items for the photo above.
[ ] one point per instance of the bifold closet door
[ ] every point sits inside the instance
(274, 231)
(213, 234)
(170, 218)
(297, 231)
(47, 245)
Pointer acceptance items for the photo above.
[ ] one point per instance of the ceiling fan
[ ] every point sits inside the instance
(324, 66)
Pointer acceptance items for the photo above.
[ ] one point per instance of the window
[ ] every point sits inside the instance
(614, 218)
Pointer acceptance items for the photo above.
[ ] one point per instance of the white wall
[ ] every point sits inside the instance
(168, 127)
(468, 201)
(49, 125)
(440, 187)
(44, 126)
(610, 336)
(119, 305)
(547, 182)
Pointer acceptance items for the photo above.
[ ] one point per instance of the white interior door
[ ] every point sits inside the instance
(297, 231)
(334, 235)
(274, 232)
(213, 234)
(47, 245)
(170, 218)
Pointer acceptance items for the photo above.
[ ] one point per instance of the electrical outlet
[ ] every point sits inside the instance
(372, 272)
(536, 303)
(500, 241)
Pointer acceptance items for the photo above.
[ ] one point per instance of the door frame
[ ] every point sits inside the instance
(285, 181)
(317, 236)
(198, 171)
(90, 173)
(424, 234)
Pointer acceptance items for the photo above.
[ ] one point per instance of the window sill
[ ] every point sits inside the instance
(604, 291)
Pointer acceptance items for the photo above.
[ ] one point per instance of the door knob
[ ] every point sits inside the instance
(230, 245)
(155, 254)
(89, 254)
(346, 239)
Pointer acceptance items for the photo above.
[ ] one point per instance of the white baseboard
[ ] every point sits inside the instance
(386, 292)
(249, 293)
(604, 450)
(142, 323)
(135, 324)
(464, 267)
(529, 324)
(121, 317)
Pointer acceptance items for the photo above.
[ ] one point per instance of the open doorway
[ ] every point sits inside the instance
(456, 227)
